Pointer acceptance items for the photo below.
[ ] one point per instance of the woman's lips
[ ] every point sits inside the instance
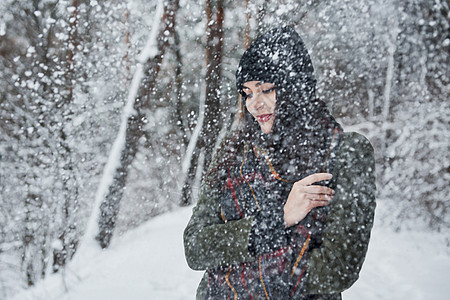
(264, 118)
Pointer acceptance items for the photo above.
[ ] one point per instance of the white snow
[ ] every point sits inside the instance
(151, 49)
(149, 263)
(195, 134)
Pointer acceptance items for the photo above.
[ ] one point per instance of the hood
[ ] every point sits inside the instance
(279, 56)
(303, 126)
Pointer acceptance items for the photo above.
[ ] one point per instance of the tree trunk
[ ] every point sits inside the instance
(247, 26)
(178, 105)
(212, 122)
(67, 237)
(214, 55)
(110, 205)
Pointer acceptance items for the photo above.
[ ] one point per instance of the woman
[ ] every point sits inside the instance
(287, 206)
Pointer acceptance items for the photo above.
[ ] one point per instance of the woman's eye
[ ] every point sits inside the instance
(268, 91)
(248, 96)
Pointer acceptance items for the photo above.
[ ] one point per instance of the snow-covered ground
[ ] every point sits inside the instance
(148, 263)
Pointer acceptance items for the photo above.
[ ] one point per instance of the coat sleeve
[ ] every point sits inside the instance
(335, 265)
(209, 242)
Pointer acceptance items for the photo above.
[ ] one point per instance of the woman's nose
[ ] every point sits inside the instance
(258, 102)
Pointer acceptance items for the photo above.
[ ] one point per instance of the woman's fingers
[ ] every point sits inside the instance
(308, 180)
(320, 197)
(304, 196)
(317, 189)
(318, 203)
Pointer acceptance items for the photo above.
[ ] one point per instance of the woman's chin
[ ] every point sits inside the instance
(266, 129)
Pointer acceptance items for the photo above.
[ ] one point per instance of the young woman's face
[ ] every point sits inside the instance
(260, 102)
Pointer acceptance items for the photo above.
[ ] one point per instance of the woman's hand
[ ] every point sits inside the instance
(304, 197)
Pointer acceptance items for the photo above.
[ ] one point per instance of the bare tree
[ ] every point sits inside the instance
(68, 240)
(212, 115)
(110, 204)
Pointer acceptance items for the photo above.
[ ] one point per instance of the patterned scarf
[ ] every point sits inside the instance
(250, 186)
(258, 170)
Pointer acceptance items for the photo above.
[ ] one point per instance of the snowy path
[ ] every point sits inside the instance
(405, 266)
(148, 263)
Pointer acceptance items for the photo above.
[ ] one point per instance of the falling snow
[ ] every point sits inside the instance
(75, 76)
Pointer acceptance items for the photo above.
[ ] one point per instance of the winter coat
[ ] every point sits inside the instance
(316, 259)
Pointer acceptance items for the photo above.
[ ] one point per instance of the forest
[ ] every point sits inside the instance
(110, 111)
